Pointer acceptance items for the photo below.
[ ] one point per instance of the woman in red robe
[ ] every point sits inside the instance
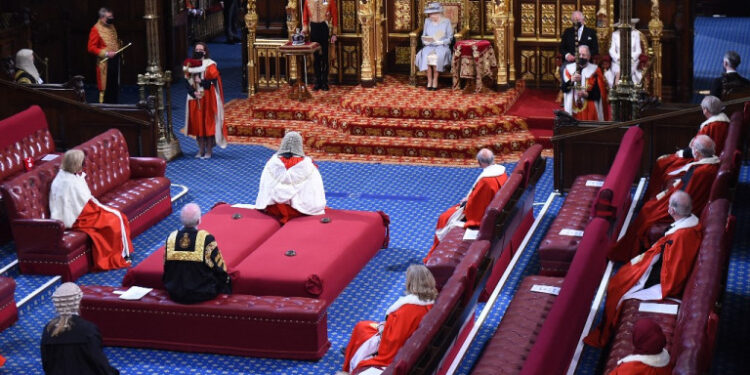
(205, 104)
(375, 344)
(71, 202)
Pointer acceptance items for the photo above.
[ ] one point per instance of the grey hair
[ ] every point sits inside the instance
(712, 104)
(485, 156)
(577, 13)
(733, 59)
(681, 202)
(588, 50)
(705, 145)
(72, 161)
(103, 11)
(420, 282)
(190, 215)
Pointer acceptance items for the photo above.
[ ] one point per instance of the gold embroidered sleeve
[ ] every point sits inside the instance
(208, 254)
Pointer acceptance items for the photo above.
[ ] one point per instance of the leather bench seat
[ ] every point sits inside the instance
(558, 248)
(236, 237)
(8, 310)
(274, 327)
(506, 351)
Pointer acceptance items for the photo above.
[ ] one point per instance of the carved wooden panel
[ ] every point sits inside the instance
(474, 17)
(549, 20)
(403, 56)
(589, 14)
(528, 19)
(349, 16)
(402, 16)
(489, 24)
(566, 11)
(528, 66)
(547, 65)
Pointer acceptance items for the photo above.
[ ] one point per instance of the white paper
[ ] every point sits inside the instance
(471, 234)
(571, 232)
(49, 157)
(661, 308)
(547, 289)
(135, 293)
(118, 292)
(244, 205)
(594, 183)
(371, 371)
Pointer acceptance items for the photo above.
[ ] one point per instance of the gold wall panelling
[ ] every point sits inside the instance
(350, 61)
(549, 19)
(399, 35)
(402, 56)
(566, 11)
(589, 14)
(527, 68)
(528, 19)
(548, 66)
(537, 40)
(349, 16)
(402, 15)
(474, 17)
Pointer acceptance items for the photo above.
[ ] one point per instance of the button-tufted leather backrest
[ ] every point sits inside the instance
(23, 135)
(525, 166)
(27, 195)
(107, 162)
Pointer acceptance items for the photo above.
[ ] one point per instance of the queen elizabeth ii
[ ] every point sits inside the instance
(436, 37)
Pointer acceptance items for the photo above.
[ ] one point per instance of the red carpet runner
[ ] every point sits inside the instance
(392, 122)
(537, 107)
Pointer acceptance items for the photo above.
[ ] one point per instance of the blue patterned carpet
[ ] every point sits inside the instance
(413, 196)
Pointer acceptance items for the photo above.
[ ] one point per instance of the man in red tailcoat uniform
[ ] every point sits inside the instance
(659, 273)
(103, 43)
(469, 212)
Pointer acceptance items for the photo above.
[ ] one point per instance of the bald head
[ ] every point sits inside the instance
(485, 157)
(703, 147)
(680, 204)
(190, 215)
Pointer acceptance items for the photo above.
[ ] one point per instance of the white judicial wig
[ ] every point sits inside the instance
(300, 186)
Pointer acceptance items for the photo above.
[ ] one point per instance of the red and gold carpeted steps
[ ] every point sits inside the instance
(392, 122)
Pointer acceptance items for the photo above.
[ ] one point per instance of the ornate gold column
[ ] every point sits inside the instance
(603, 30)
(378, 32)
(511, 41)
(292, 22)
(365, 13)
(655, 29)
(500, 18)
(154, 83)
(251, 22)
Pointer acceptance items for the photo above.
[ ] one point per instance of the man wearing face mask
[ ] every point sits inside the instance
(586, 36)
(205, 103)
(585, 93)
(103, 43)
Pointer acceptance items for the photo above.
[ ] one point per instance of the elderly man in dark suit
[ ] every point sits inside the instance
(586, 36)
(730, 80)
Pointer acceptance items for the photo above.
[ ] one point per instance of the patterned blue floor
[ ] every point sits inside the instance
(714, 37)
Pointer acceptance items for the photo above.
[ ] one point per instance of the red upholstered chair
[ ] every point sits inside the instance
(24, 135)
(8, 310)
(531, 164)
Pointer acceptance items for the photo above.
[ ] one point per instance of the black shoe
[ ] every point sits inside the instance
(325, 87)
(316, 87)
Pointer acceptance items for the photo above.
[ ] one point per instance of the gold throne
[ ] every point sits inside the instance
(455, 10)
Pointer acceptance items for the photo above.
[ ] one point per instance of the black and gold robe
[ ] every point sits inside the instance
(194, 270)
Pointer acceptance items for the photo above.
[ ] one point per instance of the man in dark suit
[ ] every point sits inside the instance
(730, 80)
(586, 36)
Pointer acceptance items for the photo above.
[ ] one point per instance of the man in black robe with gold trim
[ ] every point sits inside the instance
(194, 270)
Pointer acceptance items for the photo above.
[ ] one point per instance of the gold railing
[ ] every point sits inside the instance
(270, 64)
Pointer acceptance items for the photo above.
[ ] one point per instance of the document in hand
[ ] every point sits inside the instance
(427, 40)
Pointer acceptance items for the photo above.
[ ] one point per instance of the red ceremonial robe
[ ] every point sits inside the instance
(283, 211)
(204, 113)
(2, 361)
(640, 368)
(103, 227)
(591, 110)
(398, 327)
(716, 128)
(678, 248)
(479, 198)
(655, 209)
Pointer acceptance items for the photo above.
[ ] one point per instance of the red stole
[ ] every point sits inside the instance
(103, 227)
(678, 250)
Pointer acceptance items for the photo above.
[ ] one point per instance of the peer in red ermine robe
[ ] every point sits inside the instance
(469, 212)
(402, 319)
(716, 128)
(205, 115)
(698, 186)
(640, 368)
(677, 250)
(71, 202)
(593, 107)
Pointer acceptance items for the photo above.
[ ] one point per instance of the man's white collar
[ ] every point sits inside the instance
(710, 160)
(685, 222)
(409, 299)
(720, 117)
(653, 360)
(493, 170)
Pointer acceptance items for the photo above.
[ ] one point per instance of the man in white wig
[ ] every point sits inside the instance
(26, 72)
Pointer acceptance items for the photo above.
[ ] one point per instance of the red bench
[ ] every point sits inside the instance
(274, 327)
(135, 186)
(24, 135)
(8, 310)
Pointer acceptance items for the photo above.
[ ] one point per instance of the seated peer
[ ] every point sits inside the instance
(291, 185)
(716, 127)
(194, 270)
(469, 212)
(730, 80)
(375, 344)
(650, 357)
(437, 34)
(694, 178)
(71, 202)
(26, 72)
(659, 273)
(70, 344)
